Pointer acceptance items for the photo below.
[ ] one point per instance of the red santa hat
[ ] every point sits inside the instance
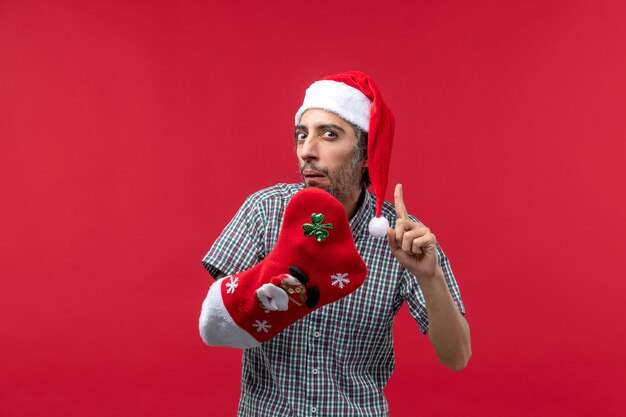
(354, 96)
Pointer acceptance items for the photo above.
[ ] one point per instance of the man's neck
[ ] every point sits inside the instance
(353, 202)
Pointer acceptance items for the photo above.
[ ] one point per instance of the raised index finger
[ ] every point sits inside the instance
(399, 203)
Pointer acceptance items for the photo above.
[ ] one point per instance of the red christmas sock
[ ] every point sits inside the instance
(314, 263)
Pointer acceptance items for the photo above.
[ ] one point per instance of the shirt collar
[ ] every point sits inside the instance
(360, 220)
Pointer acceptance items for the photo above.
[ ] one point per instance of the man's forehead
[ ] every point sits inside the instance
(318, 117)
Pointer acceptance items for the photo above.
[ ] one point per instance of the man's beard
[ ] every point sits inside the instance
(341, 183)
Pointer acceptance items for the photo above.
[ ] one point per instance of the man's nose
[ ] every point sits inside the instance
(307, 150)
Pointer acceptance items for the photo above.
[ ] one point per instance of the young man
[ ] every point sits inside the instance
(337, 360)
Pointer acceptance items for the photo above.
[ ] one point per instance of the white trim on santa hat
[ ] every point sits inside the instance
(347, 102)
(217, 327)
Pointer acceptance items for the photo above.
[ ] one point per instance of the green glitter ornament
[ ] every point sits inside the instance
(317, 229)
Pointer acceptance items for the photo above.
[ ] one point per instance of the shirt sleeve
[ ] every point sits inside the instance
(411, 293)
(240, 245)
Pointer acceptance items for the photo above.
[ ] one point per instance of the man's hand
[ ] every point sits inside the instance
(412, 243)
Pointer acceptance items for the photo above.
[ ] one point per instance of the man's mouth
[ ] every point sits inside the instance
(313, 174)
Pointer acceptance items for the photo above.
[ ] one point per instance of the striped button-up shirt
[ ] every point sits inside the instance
(337, 360)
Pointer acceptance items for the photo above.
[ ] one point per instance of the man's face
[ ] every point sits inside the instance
(325, 145)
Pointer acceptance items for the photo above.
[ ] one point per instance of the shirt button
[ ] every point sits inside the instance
(314, 409)
(317, 334)
(314, 371)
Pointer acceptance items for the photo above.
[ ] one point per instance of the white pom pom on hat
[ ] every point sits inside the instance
(354, 96)
(378, 226)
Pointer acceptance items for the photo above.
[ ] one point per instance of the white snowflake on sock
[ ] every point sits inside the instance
(340, 280)
(231, 285)
(262, 325)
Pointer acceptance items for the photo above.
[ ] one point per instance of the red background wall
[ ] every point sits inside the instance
(132, 131)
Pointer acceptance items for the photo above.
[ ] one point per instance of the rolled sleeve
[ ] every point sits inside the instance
(240, 245)
(412, 294)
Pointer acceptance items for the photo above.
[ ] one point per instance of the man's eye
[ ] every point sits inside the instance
(329, 134)
(300, 136)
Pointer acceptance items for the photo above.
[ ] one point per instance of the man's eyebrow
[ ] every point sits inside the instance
(330, 126)
(322, 127)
